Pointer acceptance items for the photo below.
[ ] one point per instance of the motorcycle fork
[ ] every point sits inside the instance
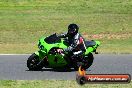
(43, 62)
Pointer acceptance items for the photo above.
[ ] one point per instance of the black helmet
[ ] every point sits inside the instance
(72, 30)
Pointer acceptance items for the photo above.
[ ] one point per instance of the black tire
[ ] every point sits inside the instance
(85, 65)
(32, 62)
(89, 61)
(77, 65)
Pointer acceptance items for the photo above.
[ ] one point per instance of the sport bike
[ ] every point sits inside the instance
(48, 56)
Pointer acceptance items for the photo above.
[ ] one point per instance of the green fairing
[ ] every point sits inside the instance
(44, 52)
(91, 49)
(57, 60)
(47, 46)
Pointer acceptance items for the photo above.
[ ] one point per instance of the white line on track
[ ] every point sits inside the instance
(15, 54)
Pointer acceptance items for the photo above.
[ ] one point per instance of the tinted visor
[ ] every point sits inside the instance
(72, 32)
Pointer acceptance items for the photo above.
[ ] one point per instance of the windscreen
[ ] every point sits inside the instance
(52, 39)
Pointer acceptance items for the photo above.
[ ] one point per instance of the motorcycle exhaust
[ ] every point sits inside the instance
(96, 52)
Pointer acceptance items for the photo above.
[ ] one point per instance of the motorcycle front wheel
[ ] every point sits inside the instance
(32, 62)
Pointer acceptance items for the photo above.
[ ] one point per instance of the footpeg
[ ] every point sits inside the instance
(96, 52)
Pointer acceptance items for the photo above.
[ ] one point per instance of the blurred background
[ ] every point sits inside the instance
(23, 22)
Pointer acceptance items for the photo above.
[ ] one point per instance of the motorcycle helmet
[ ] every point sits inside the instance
(73, 30)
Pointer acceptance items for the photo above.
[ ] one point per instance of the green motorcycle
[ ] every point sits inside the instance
(47, 56)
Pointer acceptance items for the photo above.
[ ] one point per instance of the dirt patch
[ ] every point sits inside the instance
(108, 36)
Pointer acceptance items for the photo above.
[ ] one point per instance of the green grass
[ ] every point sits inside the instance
(55, 84)
(23, 22)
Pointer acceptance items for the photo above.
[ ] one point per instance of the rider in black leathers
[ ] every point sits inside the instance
(75, 40)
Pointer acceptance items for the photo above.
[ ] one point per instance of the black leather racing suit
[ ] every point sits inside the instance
(77, 43)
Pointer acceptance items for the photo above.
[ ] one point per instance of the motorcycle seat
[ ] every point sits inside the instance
(90, 43)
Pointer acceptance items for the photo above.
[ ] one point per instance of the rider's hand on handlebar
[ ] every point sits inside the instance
(60, 50)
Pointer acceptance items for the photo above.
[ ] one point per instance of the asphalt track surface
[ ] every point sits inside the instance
(13, 67)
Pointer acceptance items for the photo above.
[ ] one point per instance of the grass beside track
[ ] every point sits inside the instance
(56, 84)
(23, 22)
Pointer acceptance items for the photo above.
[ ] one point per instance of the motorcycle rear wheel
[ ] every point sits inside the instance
(89, 61)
